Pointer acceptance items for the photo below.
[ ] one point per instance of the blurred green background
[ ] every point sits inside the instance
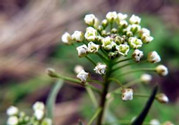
(30, 34)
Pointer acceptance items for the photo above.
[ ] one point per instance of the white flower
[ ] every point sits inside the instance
(137, 55)
(121, 16)
(153, 57)
(39, 114)
(146, 78)
(145, 31)
(127, 94)
(111, 16)
(100, 68)
(146, 38)
(162, 98)
(82, 75)
(12, 110)
(39, 106)
(104, 23)
(90, 19)
(82, 50)
(123, 49)
(123, 23)
(154, 122)
(135, 27)
(13, 120)
(135, 42)
(77, 36)
(47, 121)
(78, 68)
(92, 47)
(134, 19)
(90, 34)
(107, 43)
(162, 70)
(66, 38)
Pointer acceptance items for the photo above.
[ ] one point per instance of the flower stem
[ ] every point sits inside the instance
(123, 60)
(98, 111)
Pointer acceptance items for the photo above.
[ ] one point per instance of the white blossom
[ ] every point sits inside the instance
(92, 47)
(82, 50)
(127, 94)
(104, 22)
(123, 23)
(100, 68)
(39, 114)
(135, 42)
(82, 75)
(111, 16)
(146, 78)
(77, 36)
(146, 38)
(13, 120)
(135, 27)
(134, 19)
(39, 106)
(153, 57)
(66, 38)
(78, 68)
(123, 49)
(162, 70)
(154, 122)
(137, 55)
(162, 98)
(12, 110)
(107, 43)
(145, 31)
(90, 34)
(90, 19)
(121, 16)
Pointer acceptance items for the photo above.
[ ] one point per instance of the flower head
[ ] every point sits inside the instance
(12, 110)
(153, 57)
(82, 50)
(161, 70)
(134, 19)
(91, 34)
(82, 75)
(66, 38)
(13, 120)
(137, 55)
(127, 94)
(100, 68)
(146, 78)
(162, 98)
(123, 49)
(92, 47)
(111, 16)
(77, 36)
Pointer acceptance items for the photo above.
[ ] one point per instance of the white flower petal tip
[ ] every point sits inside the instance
(153, 57)
(146, 78)
(127, 94)
(162, 98)
(82, 50)
(82, 76)
(100, 69)
(162, 70)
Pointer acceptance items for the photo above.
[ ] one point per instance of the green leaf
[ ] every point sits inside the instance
(140, 119)
(52, 97)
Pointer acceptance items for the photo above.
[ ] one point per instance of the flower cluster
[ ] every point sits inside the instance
(16, 117)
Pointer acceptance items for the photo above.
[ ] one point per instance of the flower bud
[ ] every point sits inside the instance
(82, 50)
(12, 110)
(78, 68)
(162, 98)
(13, 120)
(100, 68)
(82, 75)
(110, 16)
(144, 31)
(121, 16)
(135, 28)
(127, 94)
(114, 30)
(38, 106)
(90, 19)
(51, 72)
(134, 19)
(153, 57)
(66, 38)
(146, 78)
(137, 55)
(154, 122)
(123, 49)
(39, 114)
(123, 23)
(107, 43)
(146, 38)
(161, 70)
(92, 47)
(77, 36)
(104, 23)
(135, 42)
(90, 34)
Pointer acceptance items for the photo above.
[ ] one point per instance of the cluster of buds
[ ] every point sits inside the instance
(16, 117)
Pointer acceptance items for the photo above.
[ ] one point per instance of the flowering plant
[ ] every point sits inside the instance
(117, 41)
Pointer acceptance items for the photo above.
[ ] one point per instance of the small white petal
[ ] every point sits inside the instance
(111, 16)
(77, 36)
(90, 34)
(162, 70)
(135, 42)
(123, 49)
(82, 50)
(137, 55)
(153, 57)
(127, 94)
(100, 68)
(92, 47)
(134, 19)
(82, 75)
(66, 38)
(146, 78)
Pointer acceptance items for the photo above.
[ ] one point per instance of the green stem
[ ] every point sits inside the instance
(93, 88)
(123, 66)
(131, 83)
(122, 60)
(98, 111)
(102, 57)
(115, 80)
(90, 60)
